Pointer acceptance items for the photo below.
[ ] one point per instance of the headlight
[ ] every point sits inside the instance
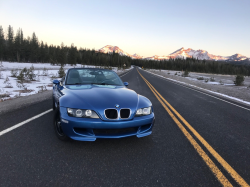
(79, 113)
(143, 111)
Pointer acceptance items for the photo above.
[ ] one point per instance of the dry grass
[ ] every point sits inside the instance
(42, 88)
(4, 95)
(50, 85)
(23, 91)
(8, 86)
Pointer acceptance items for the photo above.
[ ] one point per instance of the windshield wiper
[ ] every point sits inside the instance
(105, 84)
(76, 83)
(93, 84)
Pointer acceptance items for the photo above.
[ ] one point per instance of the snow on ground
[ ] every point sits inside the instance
(43, 80)
(41, 83)
(219, 79)
(222, 84)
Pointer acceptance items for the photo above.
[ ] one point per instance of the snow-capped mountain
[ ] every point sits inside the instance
(156, 57)
(200, 54)
(204, 55)
(180, 53)
(110, 49)
(137, 56)
(237, 57)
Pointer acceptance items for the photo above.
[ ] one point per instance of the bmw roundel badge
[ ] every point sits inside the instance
(117, 106)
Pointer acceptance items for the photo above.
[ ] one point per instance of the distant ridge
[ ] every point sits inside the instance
(180, 53)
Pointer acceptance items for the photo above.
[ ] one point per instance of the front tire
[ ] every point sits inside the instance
(54, 106)
(57, 126)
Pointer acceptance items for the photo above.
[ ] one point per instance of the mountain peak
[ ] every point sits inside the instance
(180, 53)
(111, 49)
(237, 57)
(181, 49)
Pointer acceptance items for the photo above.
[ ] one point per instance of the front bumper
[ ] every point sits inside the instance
(86, 129)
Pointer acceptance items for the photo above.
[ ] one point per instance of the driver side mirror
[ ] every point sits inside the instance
(125, 84)
(56, 82)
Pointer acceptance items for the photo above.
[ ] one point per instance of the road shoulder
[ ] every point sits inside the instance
(200, 89)
(25, 101)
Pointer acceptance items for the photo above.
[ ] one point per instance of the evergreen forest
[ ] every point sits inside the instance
(15, 48)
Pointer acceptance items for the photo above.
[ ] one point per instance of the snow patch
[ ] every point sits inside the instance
(224, 95)
(42, 82)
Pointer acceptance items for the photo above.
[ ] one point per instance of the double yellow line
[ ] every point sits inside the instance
(219, 175)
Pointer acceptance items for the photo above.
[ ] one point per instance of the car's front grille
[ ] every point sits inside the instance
(124, 113)
(111, 113)
(115, 131)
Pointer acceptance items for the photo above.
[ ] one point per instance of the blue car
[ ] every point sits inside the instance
(91, 103)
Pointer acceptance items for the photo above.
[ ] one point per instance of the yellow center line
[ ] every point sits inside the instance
(223, 180)
(208, 161)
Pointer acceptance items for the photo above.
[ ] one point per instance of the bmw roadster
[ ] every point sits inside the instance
(92, 103)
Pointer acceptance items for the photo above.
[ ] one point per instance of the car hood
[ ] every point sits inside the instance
(99, 98)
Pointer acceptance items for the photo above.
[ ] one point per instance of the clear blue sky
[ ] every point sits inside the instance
(222, 27)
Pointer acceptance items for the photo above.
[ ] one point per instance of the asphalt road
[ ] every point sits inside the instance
(31, 155)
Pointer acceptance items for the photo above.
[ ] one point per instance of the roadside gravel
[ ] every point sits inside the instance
(17, 103)
(240, 92)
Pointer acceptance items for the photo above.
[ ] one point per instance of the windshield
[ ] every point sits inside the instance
(93, 76)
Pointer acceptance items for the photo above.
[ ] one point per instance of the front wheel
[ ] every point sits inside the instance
(54, 106)
(58, 127)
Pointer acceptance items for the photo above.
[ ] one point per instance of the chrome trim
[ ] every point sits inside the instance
(129, 113)
(118, 114)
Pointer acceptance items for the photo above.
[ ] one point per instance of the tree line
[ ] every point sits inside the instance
(15, 48)
(195, 65)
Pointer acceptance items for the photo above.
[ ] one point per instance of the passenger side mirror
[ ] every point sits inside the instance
(125, 84)
(56, 82)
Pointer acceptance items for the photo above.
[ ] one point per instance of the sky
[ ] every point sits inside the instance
(157, 27)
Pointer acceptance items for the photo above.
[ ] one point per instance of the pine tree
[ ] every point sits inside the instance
(62, 58)
(42, 53)
(7, 82)
(61, 72)
(239, 79)
(10, 44)
(17, 45)
(2, 44)
(34, 48)
(46, 56)
(72, 55)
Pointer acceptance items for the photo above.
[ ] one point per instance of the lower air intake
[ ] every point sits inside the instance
(115, 131)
